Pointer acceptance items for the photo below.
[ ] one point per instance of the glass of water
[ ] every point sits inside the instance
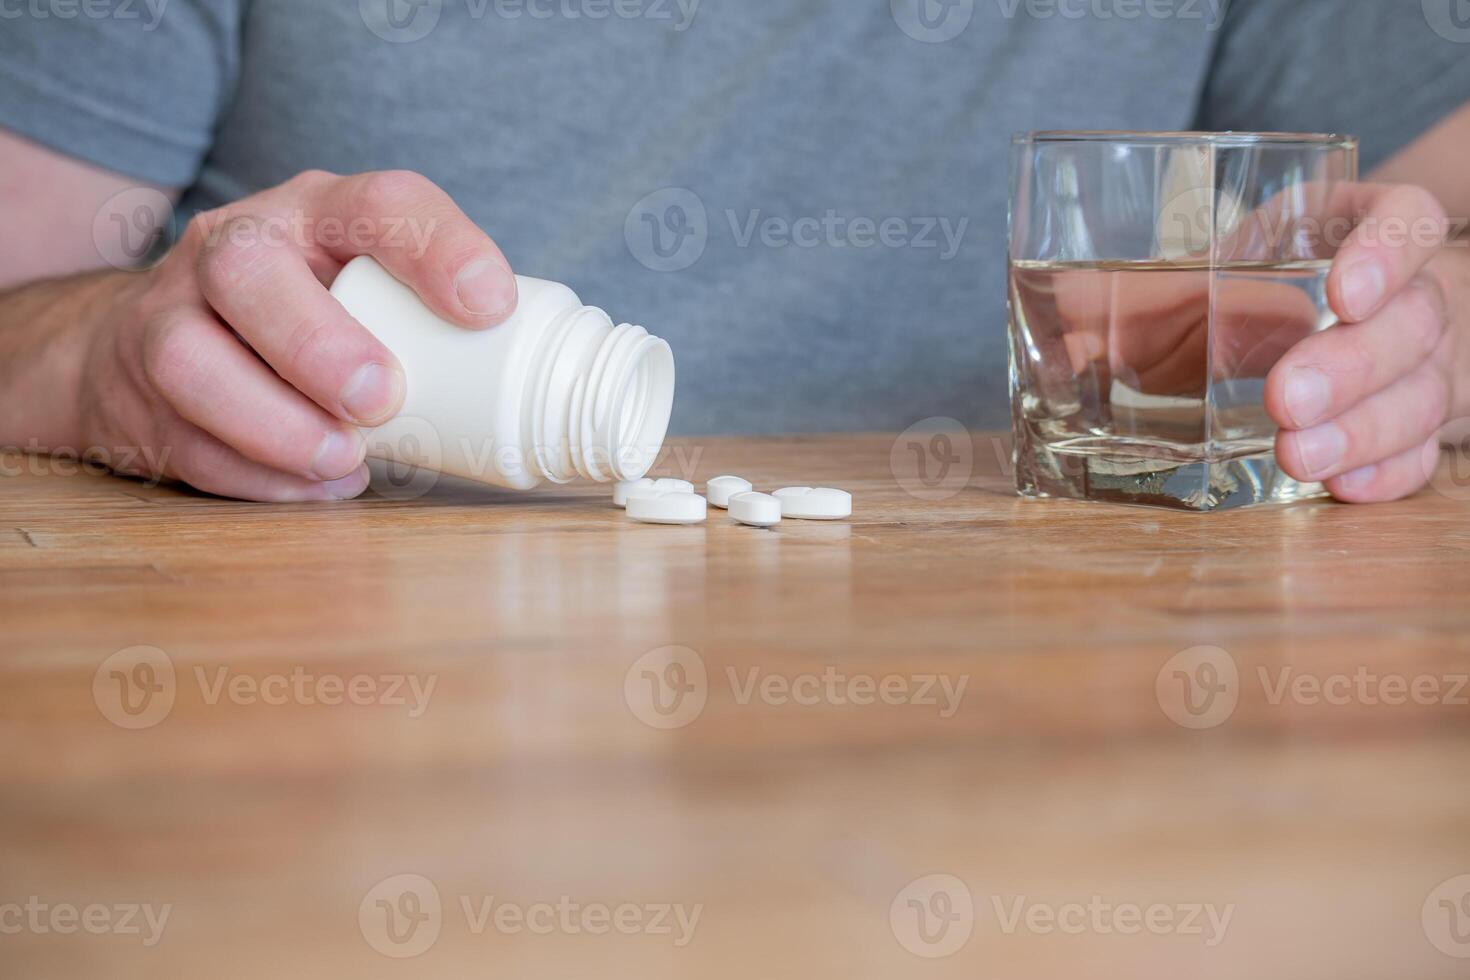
(1155, 280)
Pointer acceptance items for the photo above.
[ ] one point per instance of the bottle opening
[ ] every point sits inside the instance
(647, 403)
(600, 400)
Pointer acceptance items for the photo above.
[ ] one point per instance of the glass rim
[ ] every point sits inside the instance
(1146, 138)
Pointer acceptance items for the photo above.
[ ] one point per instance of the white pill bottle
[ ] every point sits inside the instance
(555, 392)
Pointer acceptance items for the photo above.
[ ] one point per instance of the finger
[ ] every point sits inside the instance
(202, 461)
(1403, 228)
(1392, 479)
(438, 251)
(211, 380)
(1398, 418)
(266, 292)
(1331, 371)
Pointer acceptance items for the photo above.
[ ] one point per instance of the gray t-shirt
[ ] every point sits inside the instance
(807, 198)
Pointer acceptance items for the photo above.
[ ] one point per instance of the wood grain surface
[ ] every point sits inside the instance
(524, 737)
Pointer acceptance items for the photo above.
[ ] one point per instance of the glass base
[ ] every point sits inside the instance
(1119, 474)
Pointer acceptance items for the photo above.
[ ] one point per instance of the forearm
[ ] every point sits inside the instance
(1436, 162)
(44, 331)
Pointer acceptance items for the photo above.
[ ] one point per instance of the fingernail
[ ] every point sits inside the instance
(349, 486)
(1308, 394)
(1321, 448)
(1363, 288)
(486, 288)
(1357, 480)
(340, 453)
(373, 393)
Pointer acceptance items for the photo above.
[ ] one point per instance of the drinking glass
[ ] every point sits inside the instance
(1155, 279)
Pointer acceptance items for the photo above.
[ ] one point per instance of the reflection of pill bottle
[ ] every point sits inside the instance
(555, 392)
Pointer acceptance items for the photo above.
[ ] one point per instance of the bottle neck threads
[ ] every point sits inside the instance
(598, 399)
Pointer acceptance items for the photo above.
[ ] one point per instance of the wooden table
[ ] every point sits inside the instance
(953, 725)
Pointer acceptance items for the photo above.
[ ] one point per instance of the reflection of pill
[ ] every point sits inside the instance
(628, 488)
(820, 504)
(719, 490)
(652, 507)
(756, 509)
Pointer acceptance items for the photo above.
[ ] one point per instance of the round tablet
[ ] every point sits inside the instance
(667, 508)
(621, 490)
(819, 504)
(719, 490)
(632, 488)
(756, 509)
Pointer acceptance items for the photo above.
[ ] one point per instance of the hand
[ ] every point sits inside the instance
(1360, 404)
(231, 367)
(1151, 330)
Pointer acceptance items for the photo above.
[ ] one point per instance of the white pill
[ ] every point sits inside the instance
(628, 488)
(719, 490)
(819, 504)
(667, 508)
(621, 490)
(756, 509)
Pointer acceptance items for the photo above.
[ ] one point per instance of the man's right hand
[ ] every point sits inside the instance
(229, 365)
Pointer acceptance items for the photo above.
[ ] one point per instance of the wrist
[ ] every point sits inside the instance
(47, 331)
